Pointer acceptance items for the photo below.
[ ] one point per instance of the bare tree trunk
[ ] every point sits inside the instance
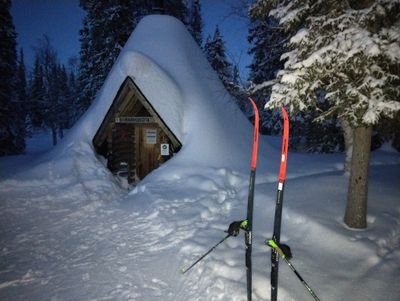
(54, 134)
(348, 143)
(357, 196)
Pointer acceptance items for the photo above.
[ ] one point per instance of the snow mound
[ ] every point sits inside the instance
(171, 71)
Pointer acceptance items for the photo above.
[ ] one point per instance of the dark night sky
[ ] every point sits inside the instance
(61, 21)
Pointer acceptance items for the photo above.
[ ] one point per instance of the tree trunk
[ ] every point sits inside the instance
(357, 196)
(54, 135)
(348, 143)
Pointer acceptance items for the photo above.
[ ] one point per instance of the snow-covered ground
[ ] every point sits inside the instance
(69, 231)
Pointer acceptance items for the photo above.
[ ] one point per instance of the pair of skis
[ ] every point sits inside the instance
(247, 224)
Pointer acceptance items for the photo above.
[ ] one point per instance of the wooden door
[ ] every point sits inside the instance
(149, 149)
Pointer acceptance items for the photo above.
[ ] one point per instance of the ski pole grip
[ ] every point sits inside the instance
(274, 246)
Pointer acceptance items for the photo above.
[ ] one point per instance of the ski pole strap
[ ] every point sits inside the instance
(244, 224)
(282, 249)
(234, 227)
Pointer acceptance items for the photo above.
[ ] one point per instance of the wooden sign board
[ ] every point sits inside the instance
(164, 149)
(134, 119)
(151, 136)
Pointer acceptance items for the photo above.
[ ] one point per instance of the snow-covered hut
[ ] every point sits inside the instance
(133, 136)
(161, 97)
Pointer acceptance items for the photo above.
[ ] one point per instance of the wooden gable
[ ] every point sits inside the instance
(133, 137)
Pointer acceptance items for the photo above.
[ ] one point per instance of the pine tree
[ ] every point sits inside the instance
(36, 95)
(49, 93)
(22, 92)
(268, 44)
(12, 137)
(87, 83)
(351, 51)
(65, 102)
(22, 100)
(195, 23)
(176, 8)
(73, 99)
(215, 52)
(106, 27)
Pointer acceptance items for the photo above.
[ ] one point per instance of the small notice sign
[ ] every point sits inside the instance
(151, 136)
(164, 149)
(134, 119)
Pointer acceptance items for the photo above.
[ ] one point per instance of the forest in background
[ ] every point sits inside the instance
(53, 96)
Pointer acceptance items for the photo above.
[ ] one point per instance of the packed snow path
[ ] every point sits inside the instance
(78, 236)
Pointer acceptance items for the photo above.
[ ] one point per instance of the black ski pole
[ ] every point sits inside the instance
(286, 255)
(206, 253)
(250, 203)
(278, 207)
(233, 230)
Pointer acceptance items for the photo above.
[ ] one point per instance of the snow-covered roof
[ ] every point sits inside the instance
(171, 71)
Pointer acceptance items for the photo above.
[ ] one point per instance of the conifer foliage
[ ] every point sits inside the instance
(350, 50)
(106, 28)
(215, 52)
(12, 128)
(195, 23)
(51, 104)
(267, 41)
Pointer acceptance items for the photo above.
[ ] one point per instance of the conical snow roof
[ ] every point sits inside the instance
(171, 71)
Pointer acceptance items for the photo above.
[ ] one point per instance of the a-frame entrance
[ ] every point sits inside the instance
(133, 137)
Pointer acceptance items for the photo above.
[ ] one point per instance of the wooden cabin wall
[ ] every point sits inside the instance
(123, 149)
(148, 147)
(132, 133)
(139, 146)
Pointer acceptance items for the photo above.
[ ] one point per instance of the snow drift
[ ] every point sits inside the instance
(169, 68)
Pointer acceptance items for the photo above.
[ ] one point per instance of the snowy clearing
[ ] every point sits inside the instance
(74, 234)
(69, 231)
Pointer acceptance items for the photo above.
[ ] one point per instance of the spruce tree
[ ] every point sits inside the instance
(36, 95)
(65, 102)
(351, 51)
(49, 93)
(22, 87)
(12, 136)
(195, 23)
(178, 9)
(22, 100)
(106, 27)
(73, 99)
(215, 52)
(267, 41)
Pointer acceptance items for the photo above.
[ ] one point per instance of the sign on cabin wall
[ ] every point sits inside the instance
(151, 136)
(164, 149)
(133, 132)
(134, 119)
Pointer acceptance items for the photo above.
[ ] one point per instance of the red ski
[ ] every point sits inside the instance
(250, 202)
(278, 207)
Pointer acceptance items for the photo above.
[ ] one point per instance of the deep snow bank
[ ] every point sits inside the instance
(171, 71)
